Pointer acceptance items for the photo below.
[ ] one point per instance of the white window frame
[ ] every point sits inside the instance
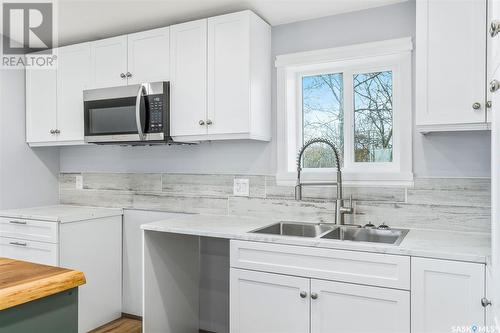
(394, 55)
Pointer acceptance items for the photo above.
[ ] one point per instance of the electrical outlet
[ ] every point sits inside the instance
(241, 187)
(79, 182)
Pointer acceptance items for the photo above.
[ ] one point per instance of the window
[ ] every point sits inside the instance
(373, 117)
(359, 98)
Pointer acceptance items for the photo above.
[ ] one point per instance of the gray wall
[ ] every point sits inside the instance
(438, 155)
(28, 177)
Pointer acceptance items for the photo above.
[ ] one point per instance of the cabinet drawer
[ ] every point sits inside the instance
(37, 252)
(375, 269)
(34, 230)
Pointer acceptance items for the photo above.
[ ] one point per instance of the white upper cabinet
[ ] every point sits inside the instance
(229, 73)
(131, 59)
(238, 88)
(494, 35)
(41, 105)
(73, 76)
(148, 56)
(445, 294)
(219, 71)
(451, 65)
(336, 307)
(109, 62)
(188, 82)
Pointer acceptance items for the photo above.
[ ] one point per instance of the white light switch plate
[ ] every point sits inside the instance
(79, 182)
(241, 187)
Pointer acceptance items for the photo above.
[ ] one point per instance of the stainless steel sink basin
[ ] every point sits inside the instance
(331, 231)
(391, 236)
(285, 228)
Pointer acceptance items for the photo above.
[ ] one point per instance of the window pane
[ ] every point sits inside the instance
(322, 117)
(373, 117)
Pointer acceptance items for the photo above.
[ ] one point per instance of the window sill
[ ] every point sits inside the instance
(348, 178)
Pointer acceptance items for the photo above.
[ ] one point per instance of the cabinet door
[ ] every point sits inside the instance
(188, 84)
(493, 50)
(344, 307)
(109, 62)
(229, 73)
(494, 292)
(73, 76)
(37, 252)
(445, 294)
(41, 105)
(494, 47)
(451, 62)
(264, 303)
(149, 56)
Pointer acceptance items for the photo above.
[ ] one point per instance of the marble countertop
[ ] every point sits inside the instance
(61, 213)
(462, 246)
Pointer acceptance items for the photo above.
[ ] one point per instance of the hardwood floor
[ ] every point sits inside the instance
(122, 325)
(125, 325)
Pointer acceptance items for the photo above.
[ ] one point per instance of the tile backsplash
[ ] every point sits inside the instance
(461, 204)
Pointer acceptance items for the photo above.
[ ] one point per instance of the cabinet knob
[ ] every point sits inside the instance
(494, 28)
(52, 131)
(314, 295)
(201, 122)
(129, 74)
(122, 75)
(488, 104)
(476, 106)
(209, 122)
(303, 294)
(494, 86)
(485, 302)
(57, 131)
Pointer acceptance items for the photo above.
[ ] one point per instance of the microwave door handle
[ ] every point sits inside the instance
(138, 121)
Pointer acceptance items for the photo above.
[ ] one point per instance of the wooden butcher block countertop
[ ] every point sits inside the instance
(22, 282)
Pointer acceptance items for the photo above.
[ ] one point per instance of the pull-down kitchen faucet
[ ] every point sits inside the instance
(340, 210)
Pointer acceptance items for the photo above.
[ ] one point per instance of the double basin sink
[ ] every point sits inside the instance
(329, 231)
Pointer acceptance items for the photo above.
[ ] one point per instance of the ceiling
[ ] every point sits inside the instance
(79, 21)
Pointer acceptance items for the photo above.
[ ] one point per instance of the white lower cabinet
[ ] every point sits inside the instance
(92, 246)
(39, 252)
(286, 288)
(446, 294)
(265, 303)
(345, 307)
(273, 303)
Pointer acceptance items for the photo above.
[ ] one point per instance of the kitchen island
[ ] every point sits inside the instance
(38, 298)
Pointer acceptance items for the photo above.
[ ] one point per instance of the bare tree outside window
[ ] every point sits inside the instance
(373, 117)
(322, 117)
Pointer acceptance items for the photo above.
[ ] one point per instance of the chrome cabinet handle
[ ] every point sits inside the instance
(476, 106)
(17, 222)
(303, 294)
(129, 74)
(201, 122)
(209, 122)
(122, 75)
(57, 131)
(494, 86)
(52, 131)
(18, 243)
(485, 302)
(494, 28)
(488, 104)
(314, 296)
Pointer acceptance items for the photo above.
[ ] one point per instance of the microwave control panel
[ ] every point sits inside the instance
(156, 112)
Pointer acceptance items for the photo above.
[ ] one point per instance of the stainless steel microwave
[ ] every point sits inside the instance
(134, 114)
